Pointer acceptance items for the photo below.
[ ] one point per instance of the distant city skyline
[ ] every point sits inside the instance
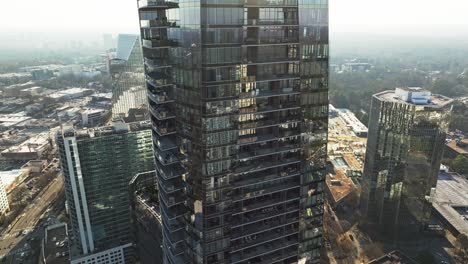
(90, 16)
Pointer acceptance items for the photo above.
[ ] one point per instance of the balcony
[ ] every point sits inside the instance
(266, 225)
(271, 22)
(159, 97)
(258, 217)
(171, 186)
(264, 178)
(267, 94)
(259, 152)
(164, 143)
(170, 171)
(259, 165)
(263, 138)
(258, 239)
(266, 191)
(158, 4)
(168, 157)
(254, 41)
(157, 62)
(265, 122)
(158, 23)
(269, 3)
(172, 199)
(157, 44)
(264, 204)
(163, 130)
(256, 109)
(172, 218)
(264, 249)
(161, 113)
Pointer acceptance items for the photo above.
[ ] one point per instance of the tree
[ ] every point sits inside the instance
(460, 164)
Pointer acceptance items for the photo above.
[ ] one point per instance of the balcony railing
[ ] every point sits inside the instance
(158, 23)
(268, 22)
(164, 4)
(269, 3)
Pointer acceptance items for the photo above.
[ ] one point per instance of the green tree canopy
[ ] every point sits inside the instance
(460, 164)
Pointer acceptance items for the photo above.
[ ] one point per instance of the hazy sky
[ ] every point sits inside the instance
(121, 15)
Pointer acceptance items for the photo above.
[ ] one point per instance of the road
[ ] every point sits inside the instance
(12, 242)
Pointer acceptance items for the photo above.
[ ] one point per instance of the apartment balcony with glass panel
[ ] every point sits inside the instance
(161, 112)
(171, 185)
(258, 252)
(270, 175)
(264, 188)
(158, 4)
(168, 157)
(159, 23)
(173, 218)
(161, 95)
(270, 22)
(263, 237)
(254, 151)
(264, 163)
(271, 3)
(170, 171)
(158, 43)
(163, 128)
(264, 203)
(172, 199)
(286, 209)
(153, 63)
(164, 143)
(264, 225)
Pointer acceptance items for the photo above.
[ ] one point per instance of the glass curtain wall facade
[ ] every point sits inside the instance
(238, 96)
(127, 73)
(98, 165)
(404, 150)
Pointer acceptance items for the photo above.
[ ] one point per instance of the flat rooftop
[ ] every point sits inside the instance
(339, 185)
(463, 150)
(116, 128)
(451, 200)
(56, 245)
(435, 100)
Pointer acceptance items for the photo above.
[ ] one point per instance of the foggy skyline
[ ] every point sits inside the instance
(117, 16)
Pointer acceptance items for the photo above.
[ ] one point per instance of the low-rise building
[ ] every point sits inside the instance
(93, 117)
(31, 149)
(9, 121)
(353, 122)
(70, 93)
(35, 166)
(455, 148)
(451, 202)
(31, 91)
(341, 189)
(54, 248)
(12, 178)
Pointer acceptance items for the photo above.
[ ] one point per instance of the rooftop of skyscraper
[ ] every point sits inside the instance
(116, 128)
(414, 96)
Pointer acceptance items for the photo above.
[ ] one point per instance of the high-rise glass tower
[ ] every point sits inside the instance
(128, 78)
(238, 96)
(407, 132)
(98, 165)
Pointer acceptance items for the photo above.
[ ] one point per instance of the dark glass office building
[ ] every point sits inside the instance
(238, 96)
(407, 132)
